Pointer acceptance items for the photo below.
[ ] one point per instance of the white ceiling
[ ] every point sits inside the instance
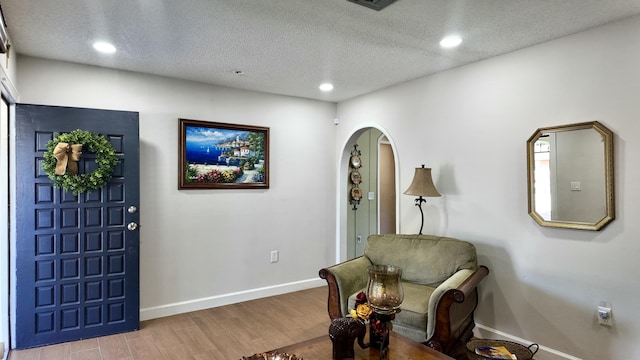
(291, 46)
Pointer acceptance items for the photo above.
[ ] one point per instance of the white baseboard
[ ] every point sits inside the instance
(544, 353)
(226, 299)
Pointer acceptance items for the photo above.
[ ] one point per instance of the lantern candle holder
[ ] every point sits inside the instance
(385, 294)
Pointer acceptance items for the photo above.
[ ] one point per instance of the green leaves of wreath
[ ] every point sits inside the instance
(106, 159)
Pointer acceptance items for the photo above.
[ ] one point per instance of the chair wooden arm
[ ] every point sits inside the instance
(343, 280)
(472, 281)
(454, 314)
(333, 303)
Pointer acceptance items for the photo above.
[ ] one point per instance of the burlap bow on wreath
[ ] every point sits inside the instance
(63, 153)
(67, 157)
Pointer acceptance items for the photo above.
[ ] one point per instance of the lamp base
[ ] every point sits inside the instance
(419, 202)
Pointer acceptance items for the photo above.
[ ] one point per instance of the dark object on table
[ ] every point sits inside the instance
(379, 332)
(520, 351)
(343, 332)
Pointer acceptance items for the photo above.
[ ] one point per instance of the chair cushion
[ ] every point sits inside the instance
(424, 259)
(414, 307)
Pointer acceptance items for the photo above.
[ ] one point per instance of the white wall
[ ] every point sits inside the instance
(201, 248)
(471, 125)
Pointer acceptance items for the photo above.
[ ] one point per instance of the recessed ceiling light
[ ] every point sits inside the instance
(451, 41)
(326, 87)
(104, 47)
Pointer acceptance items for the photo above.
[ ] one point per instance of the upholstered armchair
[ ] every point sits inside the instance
(440, 278)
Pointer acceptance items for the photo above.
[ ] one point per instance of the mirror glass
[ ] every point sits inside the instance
(570, 176)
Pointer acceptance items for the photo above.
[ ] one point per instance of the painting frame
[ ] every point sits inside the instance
(214, 155)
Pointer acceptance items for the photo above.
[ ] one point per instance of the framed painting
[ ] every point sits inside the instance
(222, 156)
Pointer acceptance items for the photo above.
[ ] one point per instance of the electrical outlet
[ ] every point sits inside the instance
(274, 256)
(359, 239)
(604, 315)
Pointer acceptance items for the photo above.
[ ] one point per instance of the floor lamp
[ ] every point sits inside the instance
(422, 185)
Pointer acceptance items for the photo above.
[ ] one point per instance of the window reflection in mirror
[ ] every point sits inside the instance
(542, 177)
(571, 176)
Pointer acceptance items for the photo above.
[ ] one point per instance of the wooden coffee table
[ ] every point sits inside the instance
(400, 348)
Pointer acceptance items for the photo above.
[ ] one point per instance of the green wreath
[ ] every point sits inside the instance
(106, 159)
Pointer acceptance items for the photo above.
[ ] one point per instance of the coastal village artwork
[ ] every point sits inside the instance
(219, 155)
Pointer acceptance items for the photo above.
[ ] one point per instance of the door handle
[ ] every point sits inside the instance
(132, 226)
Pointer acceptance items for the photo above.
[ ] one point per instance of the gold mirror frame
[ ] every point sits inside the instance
(609, 205)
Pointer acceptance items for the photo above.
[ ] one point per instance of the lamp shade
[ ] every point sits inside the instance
(422, 184)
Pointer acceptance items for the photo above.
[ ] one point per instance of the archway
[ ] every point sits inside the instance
(347, 233)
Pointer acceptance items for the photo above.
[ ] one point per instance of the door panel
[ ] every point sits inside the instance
(77, 264)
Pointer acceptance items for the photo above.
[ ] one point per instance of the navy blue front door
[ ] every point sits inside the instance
(77, 262)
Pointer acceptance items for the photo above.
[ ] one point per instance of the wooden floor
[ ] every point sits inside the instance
(224, 333)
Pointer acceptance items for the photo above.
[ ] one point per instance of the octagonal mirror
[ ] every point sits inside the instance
(570, 176)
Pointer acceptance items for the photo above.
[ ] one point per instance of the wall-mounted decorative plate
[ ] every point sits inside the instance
(355, 161)
(356, 193)
(355, 177)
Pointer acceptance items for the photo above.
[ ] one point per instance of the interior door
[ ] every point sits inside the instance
(77, 260)
(386, 187)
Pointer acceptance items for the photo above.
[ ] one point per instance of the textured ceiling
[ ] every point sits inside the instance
(291, 46)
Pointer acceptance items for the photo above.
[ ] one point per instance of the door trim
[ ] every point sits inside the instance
(10, 95)
(4, 219)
